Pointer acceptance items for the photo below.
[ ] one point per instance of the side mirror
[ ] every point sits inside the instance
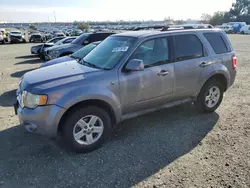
(86, 42)
(135, 65)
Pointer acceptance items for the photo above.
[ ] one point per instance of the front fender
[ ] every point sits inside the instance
(80, 94)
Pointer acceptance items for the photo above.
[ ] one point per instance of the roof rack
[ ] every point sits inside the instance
(170, 28)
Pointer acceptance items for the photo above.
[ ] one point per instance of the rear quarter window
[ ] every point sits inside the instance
(218, 42)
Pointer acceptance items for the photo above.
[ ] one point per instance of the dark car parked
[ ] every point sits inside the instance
(36, 49)
(78, 43)
(65, 40)
(75, 56)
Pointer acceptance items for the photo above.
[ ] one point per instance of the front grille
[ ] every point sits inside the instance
(16, 37)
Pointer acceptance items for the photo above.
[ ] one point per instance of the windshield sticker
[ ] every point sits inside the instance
(120, 49)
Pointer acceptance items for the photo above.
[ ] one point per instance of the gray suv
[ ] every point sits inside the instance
(127, 75)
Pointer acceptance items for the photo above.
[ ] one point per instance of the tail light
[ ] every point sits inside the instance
(234, 62)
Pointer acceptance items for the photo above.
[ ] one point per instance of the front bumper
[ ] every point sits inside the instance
(33, 51)
(51, 56)
(43, 120)
(15, 39)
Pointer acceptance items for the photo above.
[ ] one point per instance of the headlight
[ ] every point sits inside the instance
(30, 100)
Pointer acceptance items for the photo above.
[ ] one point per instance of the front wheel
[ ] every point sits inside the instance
(86, 129)
(210, 96)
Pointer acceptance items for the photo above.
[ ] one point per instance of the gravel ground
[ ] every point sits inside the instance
(176, 147)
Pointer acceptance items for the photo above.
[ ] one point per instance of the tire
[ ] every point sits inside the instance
(242, 32)
(42, 57)
(71, 127)
(205, 105)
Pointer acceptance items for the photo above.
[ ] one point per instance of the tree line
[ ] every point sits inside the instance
(239, 12)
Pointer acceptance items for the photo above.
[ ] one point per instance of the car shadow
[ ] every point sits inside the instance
(30, 61)
(140, 148)
(26, 57)
(19, 74)
(7, 99)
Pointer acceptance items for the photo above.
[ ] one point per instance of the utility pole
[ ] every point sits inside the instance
(54, 15)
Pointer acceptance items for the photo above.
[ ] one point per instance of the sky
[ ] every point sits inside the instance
(103, 10)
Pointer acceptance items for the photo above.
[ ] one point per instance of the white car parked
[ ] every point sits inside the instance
(245, 29)
(226, 28)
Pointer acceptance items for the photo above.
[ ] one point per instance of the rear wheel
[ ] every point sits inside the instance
(210, 96)
(86, 129)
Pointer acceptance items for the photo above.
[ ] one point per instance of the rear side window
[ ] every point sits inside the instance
(188, 47)
(98, 37)
(217, 42)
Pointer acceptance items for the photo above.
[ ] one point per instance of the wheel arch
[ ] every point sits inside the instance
(221, 78)
(91, 102)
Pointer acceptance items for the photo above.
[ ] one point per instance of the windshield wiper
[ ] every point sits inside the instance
(75, 57)
(90, 64)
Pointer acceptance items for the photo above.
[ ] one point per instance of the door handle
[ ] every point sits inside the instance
(205, 64)
(163, 73)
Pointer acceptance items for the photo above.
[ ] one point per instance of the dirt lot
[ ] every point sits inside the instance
(176, 147)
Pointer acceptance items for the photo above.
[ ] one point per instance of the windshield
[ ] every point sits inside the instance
(60, 42)
(80, 39)
(84, 51)
(108, 53)
(54, 40)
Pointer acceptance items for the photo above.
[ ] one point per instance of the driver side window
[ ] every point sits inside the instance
(153, 52)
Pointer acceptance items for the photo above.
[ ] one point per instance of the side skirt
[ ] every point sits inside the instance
(168, 105)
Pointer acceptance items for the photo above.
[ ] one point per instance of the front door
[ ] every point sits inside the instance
(150, 87)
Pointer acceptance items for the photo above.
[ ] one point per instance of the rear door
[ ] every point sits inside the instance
(191, 59)
(152, 86)
(222, 50)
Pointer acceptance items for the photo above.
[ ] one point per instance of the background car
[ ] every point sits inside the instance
(36, 37)
(75, 56)
(59, 34)
(16, 37)
(3, 36)
(37, 49)
(65, 40)
(78, 43)
(76, 32)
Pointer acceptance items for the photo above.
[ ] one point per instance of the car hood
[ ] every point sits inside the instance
(16, 35)
(39, 80)
(58, 60)
(38, 46)
(64, 46)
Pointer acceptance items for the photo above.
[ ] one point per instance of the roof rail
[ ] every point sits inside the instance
(168, 28)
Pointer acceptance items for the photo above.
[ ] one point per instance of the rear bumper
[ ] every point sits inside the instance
(232, 78)
(43, 120)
